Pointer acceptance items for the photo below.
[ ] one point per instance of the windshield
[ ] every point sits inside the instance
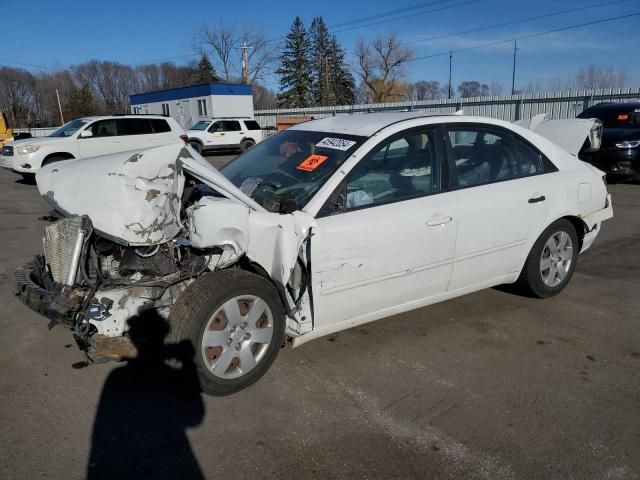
(201, 125)
(283, 172)
(69, 129)
(623, 117)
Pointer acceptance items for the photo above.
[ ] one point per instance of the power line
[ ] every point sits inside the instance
(407, 16)
(390, 12)
(515, 22)
(509, 40)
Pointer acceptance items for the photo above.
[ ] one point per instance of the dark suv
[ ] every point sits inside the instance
(619, 154)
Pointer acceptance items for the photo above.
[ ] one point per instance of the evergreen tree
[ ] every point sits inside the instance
(295, 69)
(206, 73)
(342, 84)
(320, 61)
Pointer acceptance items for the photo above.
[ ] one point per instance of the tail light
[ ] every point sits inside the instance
(184, 138)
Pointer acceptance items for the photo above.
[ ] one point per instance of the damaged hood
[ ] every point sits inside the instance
(132, 197)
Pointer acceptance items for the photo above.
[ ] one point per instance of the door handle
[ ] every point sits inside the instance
(439, 221)
(541, 198)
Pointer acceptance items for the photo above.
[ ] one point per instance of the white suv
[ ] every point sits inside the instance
(225, 134)
(90, 137)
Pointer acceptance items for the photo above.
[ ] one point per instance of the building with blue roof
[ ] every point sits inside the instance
(188, 105)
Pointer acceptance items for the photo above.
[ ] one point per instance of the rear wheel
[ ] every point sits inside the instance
(235, 321)
(246, 145)
(551, 261)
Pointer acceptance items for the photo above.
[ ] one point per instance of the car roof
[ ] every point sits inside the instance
(615, 106)
(132, 115)
(361, 124)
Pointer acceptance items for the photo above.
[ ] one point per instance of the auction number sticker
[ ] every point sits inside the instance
(311, 163)
(336, 143)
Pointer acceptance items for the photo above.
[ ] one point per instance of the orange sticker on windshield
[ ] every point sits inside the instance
(311, 163)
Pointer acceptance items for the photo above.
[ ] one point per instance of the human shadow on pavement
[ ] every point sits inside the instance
(144, 411)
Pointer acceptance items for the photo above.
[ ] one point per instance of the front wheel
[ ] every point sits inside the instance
(235, 321)
(551, 261)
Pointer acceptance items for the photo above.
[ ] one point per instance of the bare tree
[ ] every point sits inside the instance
(223, 42)
(595, 77)
(380, 66)
(263, 53)
(427, 90)
(472, 88)
(496, 89)
(18, 96)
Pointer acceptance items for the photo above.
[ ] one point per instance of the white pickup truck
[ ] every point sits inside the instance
(225, 133)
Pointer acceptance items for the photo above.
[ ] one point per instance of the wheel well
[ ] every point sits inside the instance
(579, 225)
(195, 139)
(63, 155)
(245, 264)
(247, 138)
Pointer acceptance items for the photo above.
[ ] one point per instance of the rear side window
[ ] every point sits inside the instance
(252, 125)
(232, 126)
(134, 126)
(159, 126)
(482, 155)
(529, 159)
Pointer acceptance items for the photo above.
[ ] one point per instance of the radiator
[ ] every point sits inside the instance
(63, 242)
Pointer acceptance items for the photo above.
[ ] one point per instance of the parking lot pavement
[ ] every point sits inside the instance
(490, 385)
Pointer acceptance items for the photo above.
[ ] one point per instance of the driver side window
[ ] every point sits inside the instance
(401, 168)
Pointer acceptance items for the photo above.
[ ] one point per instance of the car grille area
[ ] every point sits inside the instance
(7, 151)
(63, 242)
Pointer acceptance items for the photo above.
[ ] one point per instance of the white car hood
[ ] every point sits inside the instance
(133, 197)
(37, 141)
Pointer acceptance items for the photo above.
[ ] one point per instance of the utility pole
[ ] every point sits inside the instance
(450, 57)
(513, 76)
(324, 66)
(60, 107)
(245, 62)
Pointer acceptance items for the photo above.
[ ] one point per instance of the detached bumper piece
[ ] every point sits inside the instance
(37, 290)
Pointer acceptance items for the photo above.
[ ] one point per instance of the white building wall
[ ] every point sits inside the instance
(186, 112)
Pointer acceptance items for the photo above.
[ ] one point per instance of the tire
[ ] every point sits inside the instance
(246, 145)
(197, 146)
(29, 178)
(207, 305)
(551, 261)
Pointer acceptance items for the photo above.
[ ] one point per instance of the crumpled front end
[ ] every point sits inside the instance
(141, 226)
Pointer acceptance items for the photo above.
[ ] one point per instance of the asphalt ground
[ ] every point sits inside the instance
(491, 385)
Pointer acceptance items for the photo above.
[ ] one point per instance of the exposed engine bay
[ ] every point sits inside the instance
(96, 274)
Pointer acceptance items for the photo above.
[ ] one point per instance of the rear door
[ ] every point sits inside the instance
(385, 239)
(502, 199)
(136, 133)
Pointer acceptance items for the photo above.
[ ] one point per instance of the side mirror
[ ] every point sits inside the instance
(86, 133)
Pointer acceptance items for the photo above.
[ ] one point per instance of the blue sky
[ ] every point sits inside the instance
(64, 32)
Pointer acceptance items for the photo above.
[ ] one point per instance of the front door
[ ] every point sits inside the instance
(104, 140)
(385, 239)
(224, 134)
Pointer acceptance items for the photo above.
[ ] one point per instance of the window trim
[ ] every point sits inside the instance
(547, 165)
(443, 173)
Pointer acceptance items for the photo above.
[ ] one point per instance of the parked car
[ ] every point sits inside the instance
(89, 137)
(324, 226)
(228, 133)
(619, 155)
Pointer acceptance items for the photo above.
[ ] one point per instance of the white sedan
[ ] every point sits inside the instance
(327, 225)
